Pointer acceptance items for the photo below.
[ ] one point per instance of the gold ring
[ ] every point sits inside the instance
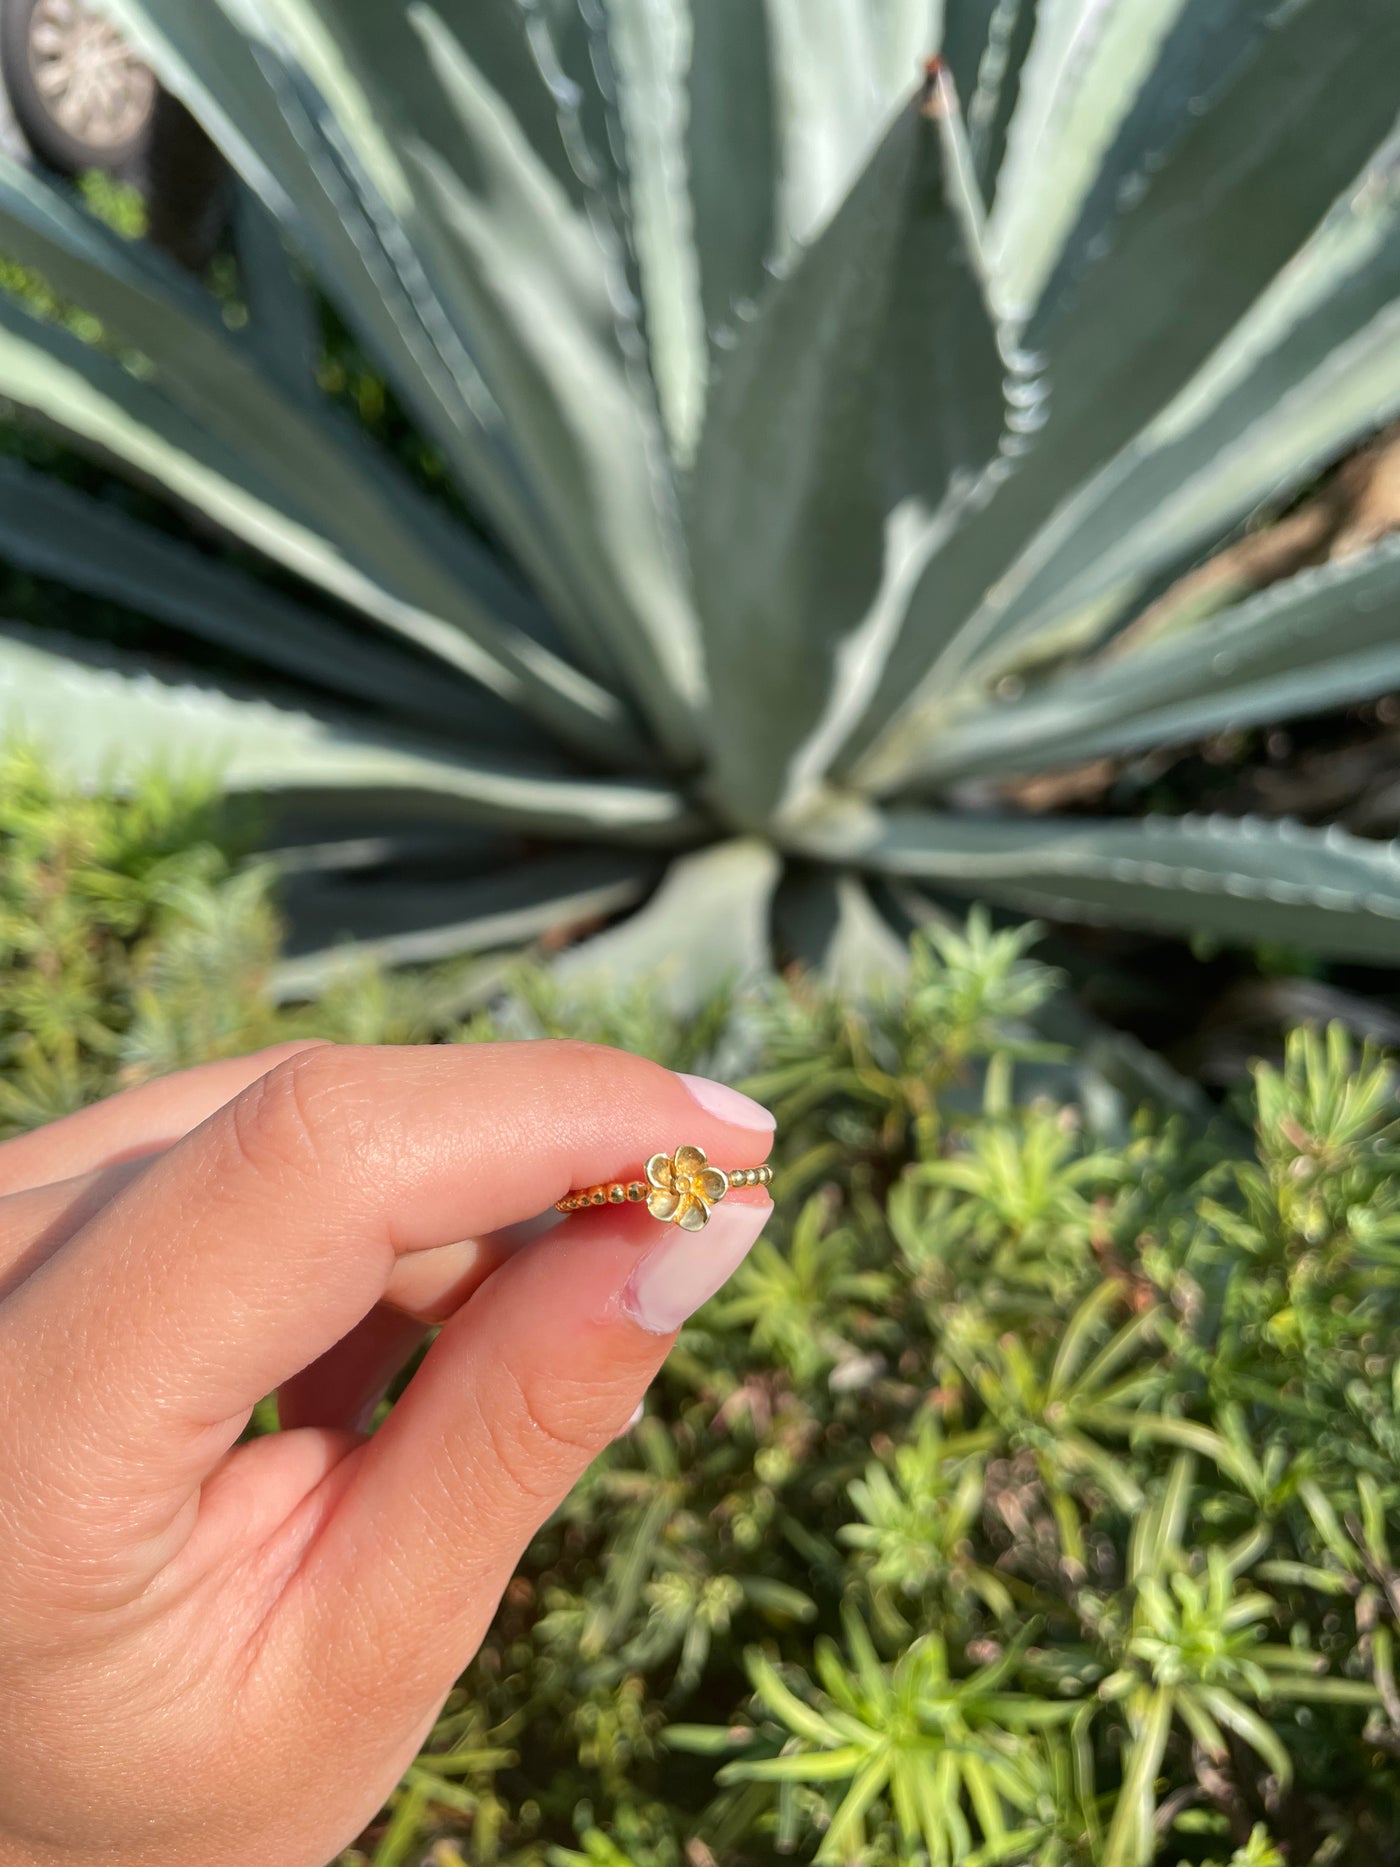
(679, 1189)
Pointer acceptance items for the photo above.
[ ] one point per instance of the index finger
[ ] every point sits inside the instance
(258, 1241)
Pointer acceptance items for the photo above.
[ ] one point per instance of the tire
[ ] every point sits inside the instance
(106, 123)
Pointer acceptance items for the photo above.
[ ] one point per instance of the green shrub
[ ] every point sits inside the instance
(1031, 1495)
(1024, 1498)
(96, 897)
(808, 451)
(135, 938)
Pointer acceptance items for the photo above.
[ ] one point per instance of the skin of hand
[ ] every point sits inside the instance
(228, 1653)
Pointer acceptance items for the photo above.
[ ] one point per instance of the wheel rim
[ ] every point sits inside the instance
(92, 85)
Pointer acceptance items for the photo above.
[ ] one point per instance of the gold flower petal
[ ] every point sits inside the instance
(662, 1202)
(711, 1184)
(693, 1216)
(689, 1159)
(661, 1171)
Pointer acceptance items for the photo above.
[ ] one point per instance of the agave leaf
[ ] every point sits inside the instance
(827, 921)
(148, 301)
(745, 121)
(1085, 69)
(651, 46)
(284, 318)
(231, 63)
(1312, 367)
(986, 43)
(784, 102)
(867, 386)
(967, 30)
(1324, 638)
(733, 155)
(342, 923)
(319, 468)
(1321, 889)
(535, 283)
(94, 712)
(389, 836)
(1286, 70)
(1109, 90)
(1245, 183)
(583, 76)
(104, 406)
(841, 69)
(705, 927)
(134, 564)
(229, 66)
(217, 66)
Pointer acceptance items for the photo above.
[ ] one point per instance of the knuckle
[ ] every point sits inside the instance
(544, 1429)
(283, 1121)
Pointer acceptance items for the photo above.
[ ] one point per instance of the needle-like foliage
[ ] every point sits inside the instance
(1033, 1495)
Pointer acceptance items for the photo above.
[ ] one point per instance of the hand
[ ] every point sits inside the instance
(228, 1653)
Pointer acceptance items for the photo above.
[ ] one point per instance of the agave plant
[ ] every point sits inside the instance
(824, 389)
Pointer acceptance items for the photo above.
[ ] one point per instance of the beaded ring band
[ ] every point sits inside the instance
(679, 1189)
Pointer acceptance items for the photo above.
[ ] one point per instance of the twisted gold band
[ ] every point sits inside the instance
(679, 1189)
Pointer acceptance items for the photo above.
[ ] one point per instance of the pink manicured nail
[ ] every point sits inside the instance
(682, 1270)
(726, 1103)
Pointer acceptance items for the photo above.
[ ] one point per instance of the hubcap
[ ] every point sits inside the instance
(94, 87)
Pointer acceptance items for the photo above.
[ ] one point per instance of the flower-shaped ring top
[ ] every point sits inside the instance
(684, 1187)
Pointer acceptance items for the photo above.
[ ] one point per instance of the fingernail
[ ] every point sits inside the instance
(682, 1270)
(720, 1100)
